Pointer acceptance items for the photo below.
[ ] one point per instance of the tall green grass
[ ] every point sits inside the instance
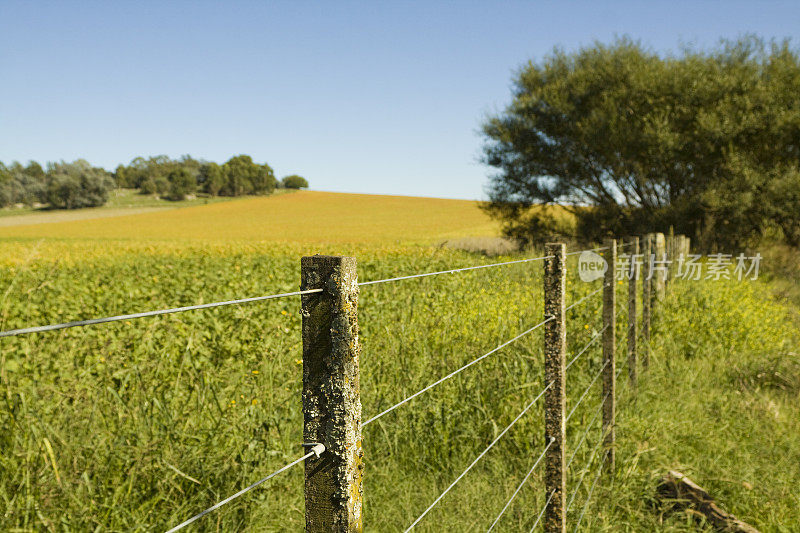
(136, 426)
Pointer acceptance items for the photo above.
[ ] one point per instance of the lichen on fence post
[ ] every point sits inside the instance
(609, 360)
(555, 348)
(647, 274)
(633, 276)
(331, 400)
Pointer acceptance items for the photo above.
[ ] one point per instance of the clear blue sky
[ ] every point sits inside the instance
(374, 97)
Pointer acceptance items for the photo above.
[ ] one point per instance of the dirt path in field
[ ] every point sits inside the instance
(48, 217)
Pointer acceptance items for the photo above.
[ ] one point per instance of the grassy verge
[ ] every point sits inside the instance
(136, 426)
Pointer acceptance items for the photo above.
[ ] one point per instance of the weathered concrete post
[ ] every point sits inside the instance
(555, 349)
(609, 361)
(661, 274)
(633, 275)
(331, 400)
(647, 273)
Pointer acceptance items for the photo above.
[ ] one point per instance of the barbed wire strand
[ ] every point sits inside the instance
(586, 391)
(522, 483)
(317, 450)
(586, 347)
(453, 373)
(473, 463)
(541, 513)
(589, 496)
(452, 271)
(117, 318)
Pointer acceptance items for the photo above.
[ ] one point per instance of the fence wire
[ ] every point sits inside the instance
(586, 432)
(586, 347)
(117, 318)
(583, 299)
(455, 372)
(452, 271)
(541, 513)
(316, 450)
(473, 463)
(522, 483)
(583, 474)
(586, 391)
(92, 321)
(589, 496)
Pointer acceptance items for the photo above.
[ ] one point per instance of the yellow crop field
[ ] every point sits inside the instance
(305, 217)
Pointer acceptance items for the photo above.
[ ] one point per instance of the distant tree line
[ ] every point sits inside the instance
(79, 184)
(61, 185)
(629, 141)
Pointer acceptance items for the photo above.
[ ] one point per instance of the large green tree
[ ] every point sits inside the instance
(630, 141)
(243, 176)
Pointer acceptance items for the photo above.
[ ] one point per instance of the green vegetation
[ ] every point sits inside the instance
(294, 182)
(78, 184)
(630, 142)
(62, 186)
(138, 425)
(177, 178)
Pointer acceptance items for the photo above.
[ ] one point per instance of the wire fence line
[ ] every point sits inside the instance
(455, 372)
(319, 448)
(589, 496)
(541, 513)
(474, 361)
(453, 271)
(586, 347)
(583, 299)
(173, 310)
(586, 432)
(586, 391)
(316, 450)
(600, 249)
(484, 452)
(522, 483)
(117, 318)
(583, 474)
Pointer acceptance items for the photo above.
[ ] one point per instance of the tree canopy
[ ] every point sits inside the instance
(629, 141)
(79, 184)
(294, 182)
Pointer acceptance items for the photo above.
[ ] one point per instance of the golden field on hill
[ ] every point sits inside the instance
(302, 217)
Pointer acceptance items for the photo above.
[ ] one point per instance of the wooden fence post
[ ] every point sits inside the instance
(609, 343)
(647, 273)
(633, 275)
(670, 251)
(331, 401)
(555, 349)
(661, 275)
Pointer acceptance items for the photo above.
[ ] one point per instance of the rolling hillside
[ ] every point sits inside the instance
(302, 217)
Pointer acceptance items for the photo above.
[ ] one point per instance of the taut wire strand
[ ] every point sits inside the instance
(473, 463)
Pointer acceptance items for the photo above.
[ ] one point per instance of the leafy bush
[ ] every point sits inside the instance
(181, 184)
(294, 182)
(78, 184)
